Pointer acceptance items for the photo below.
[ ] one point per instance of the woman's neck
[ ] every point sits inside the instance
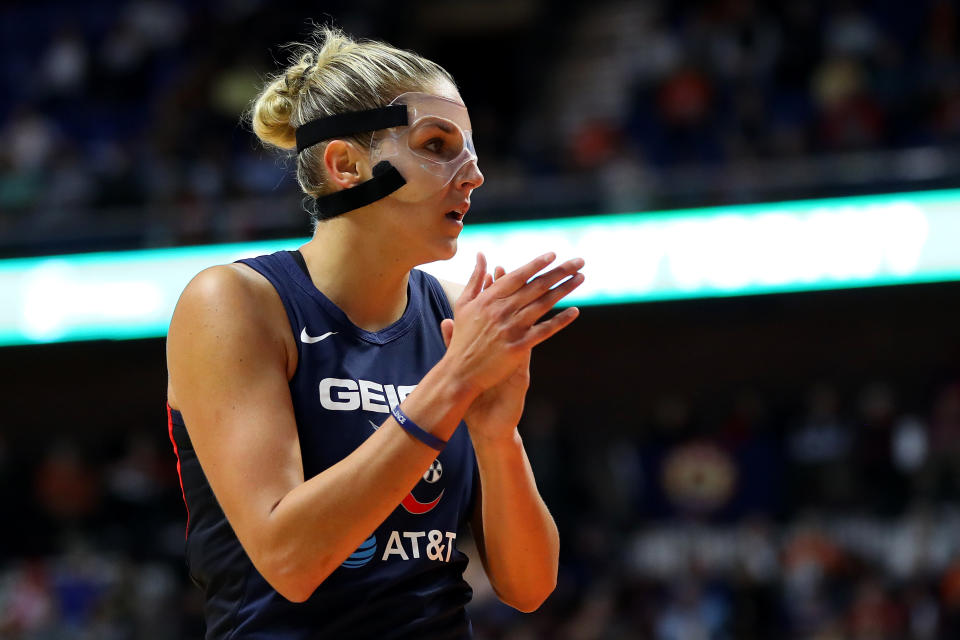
(358, 272)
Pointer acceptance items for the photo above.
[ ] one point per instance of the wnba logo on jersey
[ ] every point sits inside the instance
(433, 474)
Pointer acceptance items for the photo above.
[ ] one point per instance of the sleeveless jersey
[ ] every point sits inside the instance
(406, 579)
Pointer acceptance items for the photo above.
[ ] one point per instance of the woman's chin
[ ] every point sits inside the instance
(446, 250)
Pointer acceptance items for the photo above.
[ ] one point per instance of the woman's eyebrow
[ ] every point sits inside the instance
(443, 126)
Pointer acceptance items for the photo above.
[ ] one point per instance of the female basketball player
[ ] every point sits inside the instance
(316, 397)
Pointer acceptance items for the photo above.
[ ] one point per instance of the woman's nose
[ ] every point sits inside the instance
(469, 176)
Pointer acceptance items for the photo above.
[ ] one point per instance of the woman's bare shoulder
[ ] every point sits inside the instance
(229, 311)
(230, 284)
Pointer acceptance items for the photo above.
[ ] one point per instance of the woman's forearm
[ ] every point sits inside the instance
(319, 523)
(519, 536)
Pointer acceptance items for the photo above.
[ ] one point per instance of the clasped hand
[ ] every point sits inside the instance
(495, 330)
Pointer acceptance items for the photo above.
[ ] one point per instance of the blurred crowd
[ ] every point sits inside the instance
(122, 119)
(834, 516)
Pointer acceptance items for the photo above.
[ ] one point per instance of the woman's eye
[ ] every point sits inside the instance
(435, 145)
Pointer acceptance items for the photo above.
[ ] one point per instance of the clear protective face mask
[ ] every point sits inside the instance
(431, 150)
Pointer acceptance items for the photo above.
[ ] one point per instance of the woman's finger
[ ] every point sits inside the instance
(446, 330)
(475, 284)
(544, 330)
(533, 311)
(512, 281)
(543, 285)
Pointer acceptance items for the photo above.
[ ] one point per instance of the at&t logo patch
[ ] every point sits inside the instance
(362, 555)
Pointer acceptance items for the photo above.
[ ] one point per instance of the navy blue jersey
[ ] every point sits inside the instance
(406, 579)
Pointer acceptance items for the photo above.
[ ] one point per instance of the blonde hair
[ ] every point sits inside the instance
(328, 75)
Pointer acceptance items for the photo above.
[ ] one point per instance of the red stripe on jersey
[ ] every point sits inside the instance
(179, 472)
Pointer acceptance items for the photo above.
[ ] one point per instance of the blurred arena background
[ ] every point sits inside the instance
(745, 467)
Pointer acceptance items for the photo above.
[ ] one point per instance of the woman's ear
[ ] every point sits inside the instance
(344, 164)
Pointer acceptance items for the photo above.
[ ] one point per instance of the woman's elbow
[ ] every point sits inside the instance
(289, 583)
(289, 576)
(531, 598)
(292, 593)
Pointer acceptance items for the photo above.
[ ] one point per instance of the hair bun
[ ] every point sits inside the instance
(274, 108)
(271, 116)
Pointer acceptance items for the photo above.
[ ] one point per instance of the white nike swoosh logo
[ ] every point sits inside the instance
(372, 424)
(308, 339)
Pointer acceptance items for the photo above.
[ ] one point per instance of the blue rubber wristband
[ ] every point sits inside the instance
(411, 427)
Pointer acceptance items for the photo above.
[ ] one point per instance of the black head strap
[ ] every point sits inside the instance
(386, 179)
(347, 124)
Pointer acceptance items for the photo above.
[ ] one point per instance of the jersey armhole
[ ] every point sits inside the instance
(442, 292)
(301, 262)
(265, 269)
(451, 290)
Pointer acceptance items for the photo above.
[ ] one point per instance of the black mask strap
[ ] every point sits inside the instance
(386, 179)
(350, 123)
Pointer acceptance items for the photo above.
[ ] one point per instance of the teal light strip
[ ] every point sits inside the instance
(696, 253)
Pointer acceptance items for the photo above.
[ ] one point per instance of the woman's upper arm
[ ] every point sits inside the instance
(227, 355)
